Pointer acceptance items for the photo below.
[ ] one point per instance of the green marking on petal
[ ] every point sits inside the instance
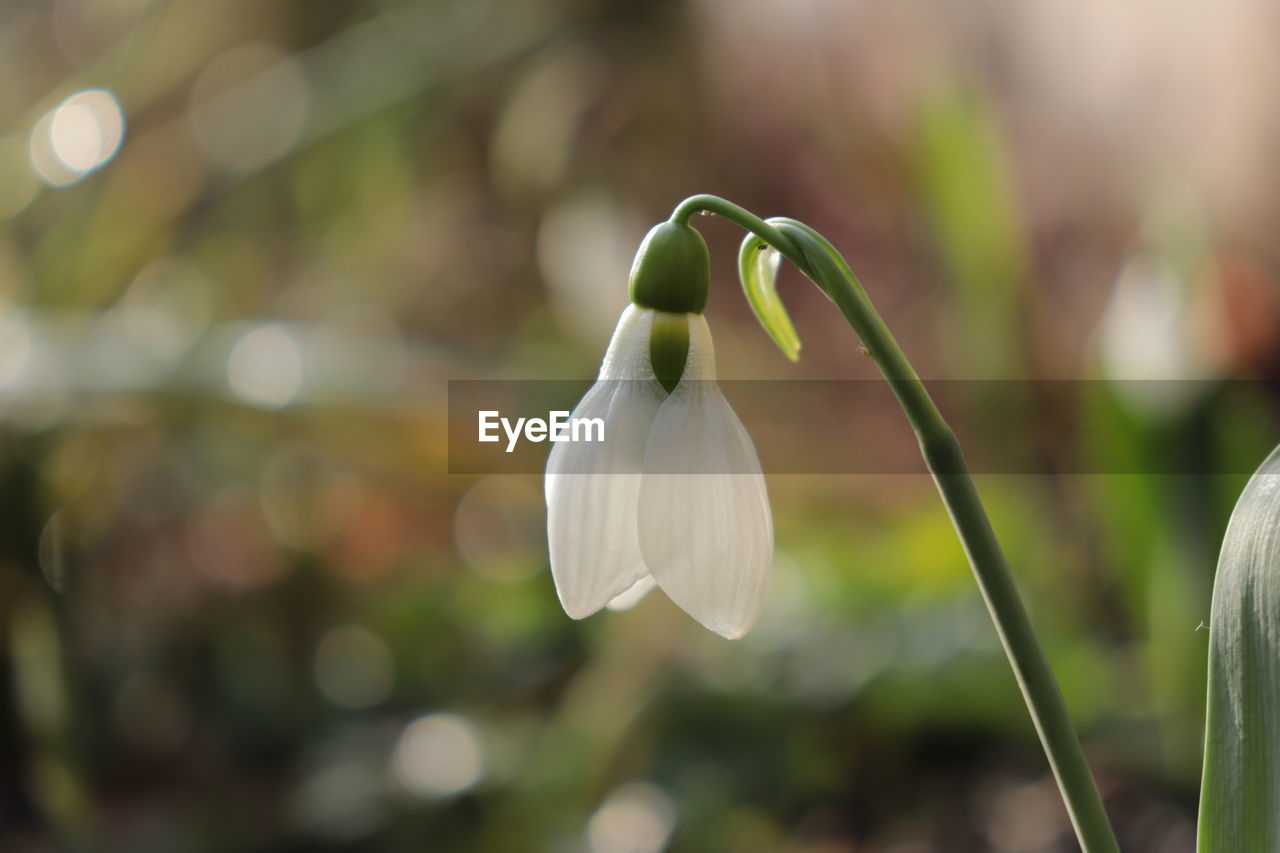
(669, 347)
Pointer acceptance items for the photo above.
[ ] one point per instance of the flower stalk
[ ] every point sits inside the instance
(822, 264)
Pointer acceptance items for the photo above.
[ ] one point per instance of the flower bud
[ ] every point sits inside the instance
(672, 270)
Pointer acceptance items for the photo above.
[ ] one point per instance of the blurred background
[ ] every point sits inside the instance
(244, 245)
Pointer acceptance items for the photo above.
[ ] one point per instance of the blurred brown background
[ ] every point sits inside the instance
(244, 245)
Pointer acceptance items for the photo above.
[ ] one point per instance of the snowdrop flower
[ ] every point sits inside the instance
(674, 492)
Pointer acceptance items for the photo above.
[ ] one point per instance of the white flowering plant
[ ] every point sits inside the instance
(676, 499)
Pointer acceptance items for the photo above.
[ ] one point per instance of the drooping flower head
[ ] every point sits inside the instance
(674, 492)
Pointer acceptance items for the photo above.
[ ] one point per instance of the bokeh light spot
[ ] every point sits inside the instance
(636, 818)
(1145, 334)
(357, 349)
(81, 134)
(140, 341)
(15, 346)
(44, 160)
(439, 755)
(341, 800)
(354, 668)
(587, 238)
(87, 129)
(248, 107)
(533, 140)
(265, 367)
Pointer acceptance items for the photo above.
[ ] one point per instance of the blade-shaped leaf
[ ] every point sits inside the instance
(758, 269)
(1240, 791)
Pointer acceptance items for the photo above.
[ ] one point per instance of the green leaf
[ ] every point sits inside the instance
(1240, 791)
(758, 269)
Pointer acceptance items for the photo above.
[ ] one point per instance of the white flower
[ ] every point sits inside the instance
(674, 492)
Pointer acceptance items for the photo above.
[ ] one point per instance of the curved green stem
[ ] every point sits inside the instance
(809, 251)
(738, 216)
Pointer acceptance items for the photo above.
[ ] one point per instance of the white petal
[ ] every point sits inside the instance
(706, 533)
(592, 488)
(633, 596)
(627, 357)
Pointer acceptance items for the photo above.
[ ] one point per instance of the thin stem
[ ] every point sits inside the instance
(809, 251)
(686, 209)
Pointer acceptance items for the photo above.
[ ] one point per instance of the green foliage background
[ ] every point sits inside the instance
(221, 617)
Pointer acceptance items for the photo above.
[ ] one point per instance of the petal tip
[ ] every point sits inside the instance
(735, 633)
(729, 626)
(578, 612)
(578, 604)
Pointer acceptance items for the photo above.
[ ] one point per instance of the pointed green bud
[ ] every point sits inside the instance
(672, 270)
(669, 347)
